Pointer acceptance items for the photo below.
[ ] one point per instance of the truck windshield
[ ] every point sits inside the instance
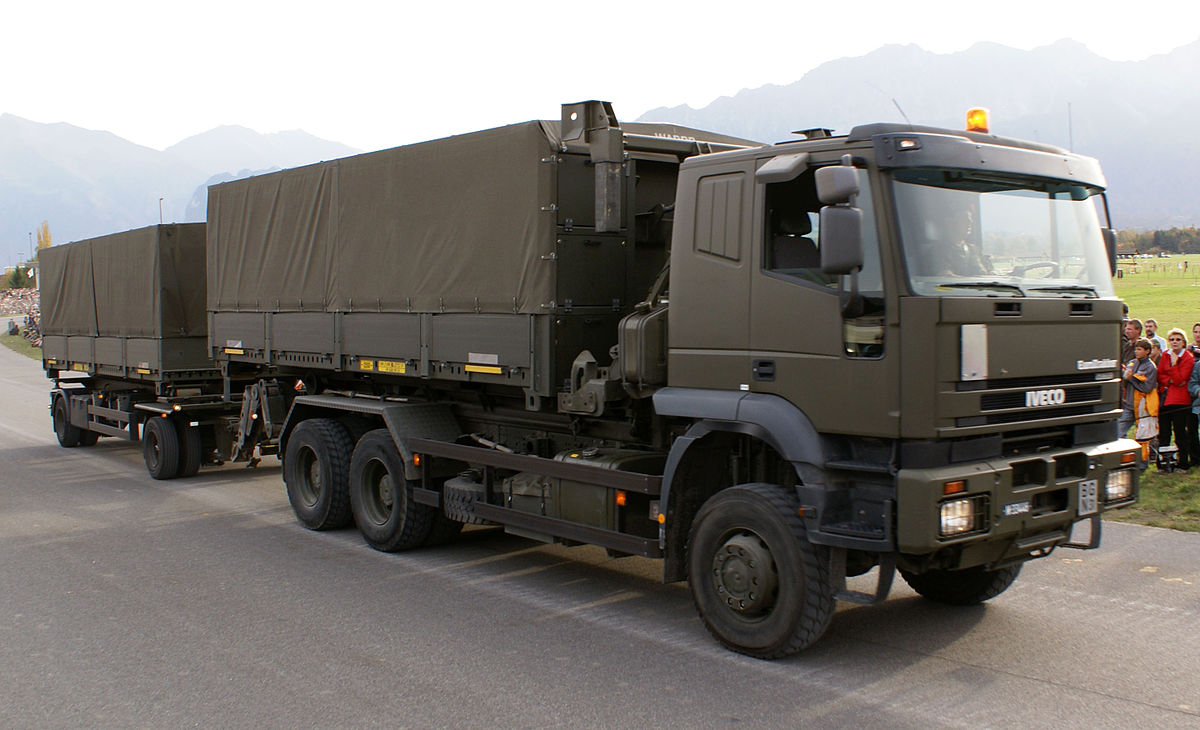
(967, 232)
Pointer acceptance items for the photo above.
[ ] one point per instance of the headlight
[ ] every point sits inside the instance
(961, 516)
(1119, 486)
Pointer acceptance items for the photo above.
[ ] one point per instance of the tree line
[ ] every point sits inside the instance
(1172, 240)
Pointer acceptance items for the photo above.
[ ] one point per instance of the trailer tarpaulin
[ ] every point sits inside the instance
(148, 282)
(454, 225)
(67, 296)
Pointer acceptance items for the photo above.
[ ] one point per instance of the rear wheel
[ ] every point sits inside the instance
(962, 587)
(382, 499)
(760, 586)
(315, 465)
(160, 448)
(68, 435)
(191, 450)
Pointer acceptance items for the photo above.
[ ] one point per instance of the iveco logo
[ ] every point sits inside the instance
(1038, 398)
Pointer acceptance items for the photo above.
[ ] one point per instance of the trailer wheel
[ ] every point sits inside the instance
(191, 449)
(382, 499)
(315, 465)
(760, 586)
(962, 587)
(160, 448)
(68, 435)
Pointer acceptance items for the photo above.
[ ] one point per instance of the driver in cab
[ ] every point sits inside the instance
(956, 253)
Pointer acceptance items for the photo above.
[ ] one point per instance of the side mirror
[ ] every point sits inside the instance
(1110, 245)
(841, 238)
(836, 184)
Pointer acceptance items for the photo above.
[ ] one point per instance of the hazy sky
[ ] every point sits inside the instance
(378, 74)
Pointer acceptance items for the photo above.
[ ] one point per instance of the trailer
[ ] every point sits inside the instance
(126, 343)
(772, 367)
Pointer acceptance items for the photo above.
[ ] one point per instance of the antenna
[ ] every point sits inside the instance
(906, 119)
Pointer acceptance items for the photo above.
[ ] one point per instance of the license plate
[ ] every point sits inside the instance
(1016, 508)
(1087, 497)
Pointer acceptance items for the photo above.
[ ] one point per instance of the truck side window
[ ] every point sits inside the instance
(792, 230)
(792, 250)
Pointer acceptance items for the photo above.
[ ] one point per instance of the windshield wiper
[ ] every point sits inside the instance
(1069, 289)
(983, 285)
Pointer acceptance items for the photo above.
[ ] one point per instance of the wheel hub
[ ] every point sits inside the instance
(744, 574)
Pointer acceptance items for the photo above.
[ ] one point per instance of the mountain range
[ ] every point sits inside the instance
(88, 183)
(1134, 116)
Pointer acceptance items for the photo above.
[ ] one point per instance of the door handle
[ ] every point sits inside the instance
(764, 370)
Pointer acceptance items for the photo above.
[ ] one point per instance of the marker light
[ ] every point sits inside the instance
(621, 498)
(416, 459)
(1129, 458)
(957, 487)
(977, 119)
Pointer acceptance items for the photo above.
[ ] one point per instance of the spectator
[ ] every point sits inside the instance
(1141, 398)
(1153, 336)
(1194, 348)
(1174, 372)
(1130, 334)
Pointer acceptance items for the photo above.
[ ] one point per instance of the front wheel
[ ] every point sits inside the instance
(962, 587)
(760, 586)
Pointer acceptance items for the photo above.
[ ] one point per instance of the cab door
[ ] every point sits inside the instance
(810, 341)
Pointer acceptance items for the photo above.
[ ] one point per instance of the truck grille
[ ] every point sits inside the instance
(1003, 401)
(1044, 381)
(1027, 415)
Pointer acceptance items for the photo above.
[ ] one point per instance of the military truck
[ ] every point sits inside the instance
(773, 366)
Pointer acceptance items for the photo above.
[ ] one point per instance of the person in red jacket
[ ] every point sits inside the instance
(1174, 369)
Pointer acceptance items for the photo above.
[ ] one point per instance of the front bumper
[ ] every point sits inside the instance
(1011, 508)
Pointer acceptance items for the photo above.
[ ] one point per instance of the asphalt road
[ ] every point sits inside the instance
(201, 602)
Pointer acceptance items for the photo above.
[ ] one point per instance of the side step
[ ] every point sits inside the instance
(837, 573)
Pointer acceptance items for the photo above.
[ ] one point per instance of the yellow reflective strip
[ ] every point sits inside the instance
(489, 369)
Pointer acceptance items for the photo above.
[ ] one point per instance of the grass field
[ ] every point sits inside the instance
(1158, 288)
(1162, 290)
(19, 344)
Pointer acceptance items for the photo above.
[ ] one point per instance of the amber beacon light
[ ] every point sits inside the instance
(977, 119)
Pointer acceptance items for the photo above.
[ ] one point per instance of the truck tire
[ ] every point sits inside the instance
(315, 468)
(88, 438)
(459, 496)
(160, 448)
(191, 449)
(962, 587)
(381, 498)
(68, 435)
(760, 586)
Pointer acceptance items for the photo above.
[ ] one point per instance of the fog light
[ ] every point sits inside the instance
(960, 516)
(1119, 486)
